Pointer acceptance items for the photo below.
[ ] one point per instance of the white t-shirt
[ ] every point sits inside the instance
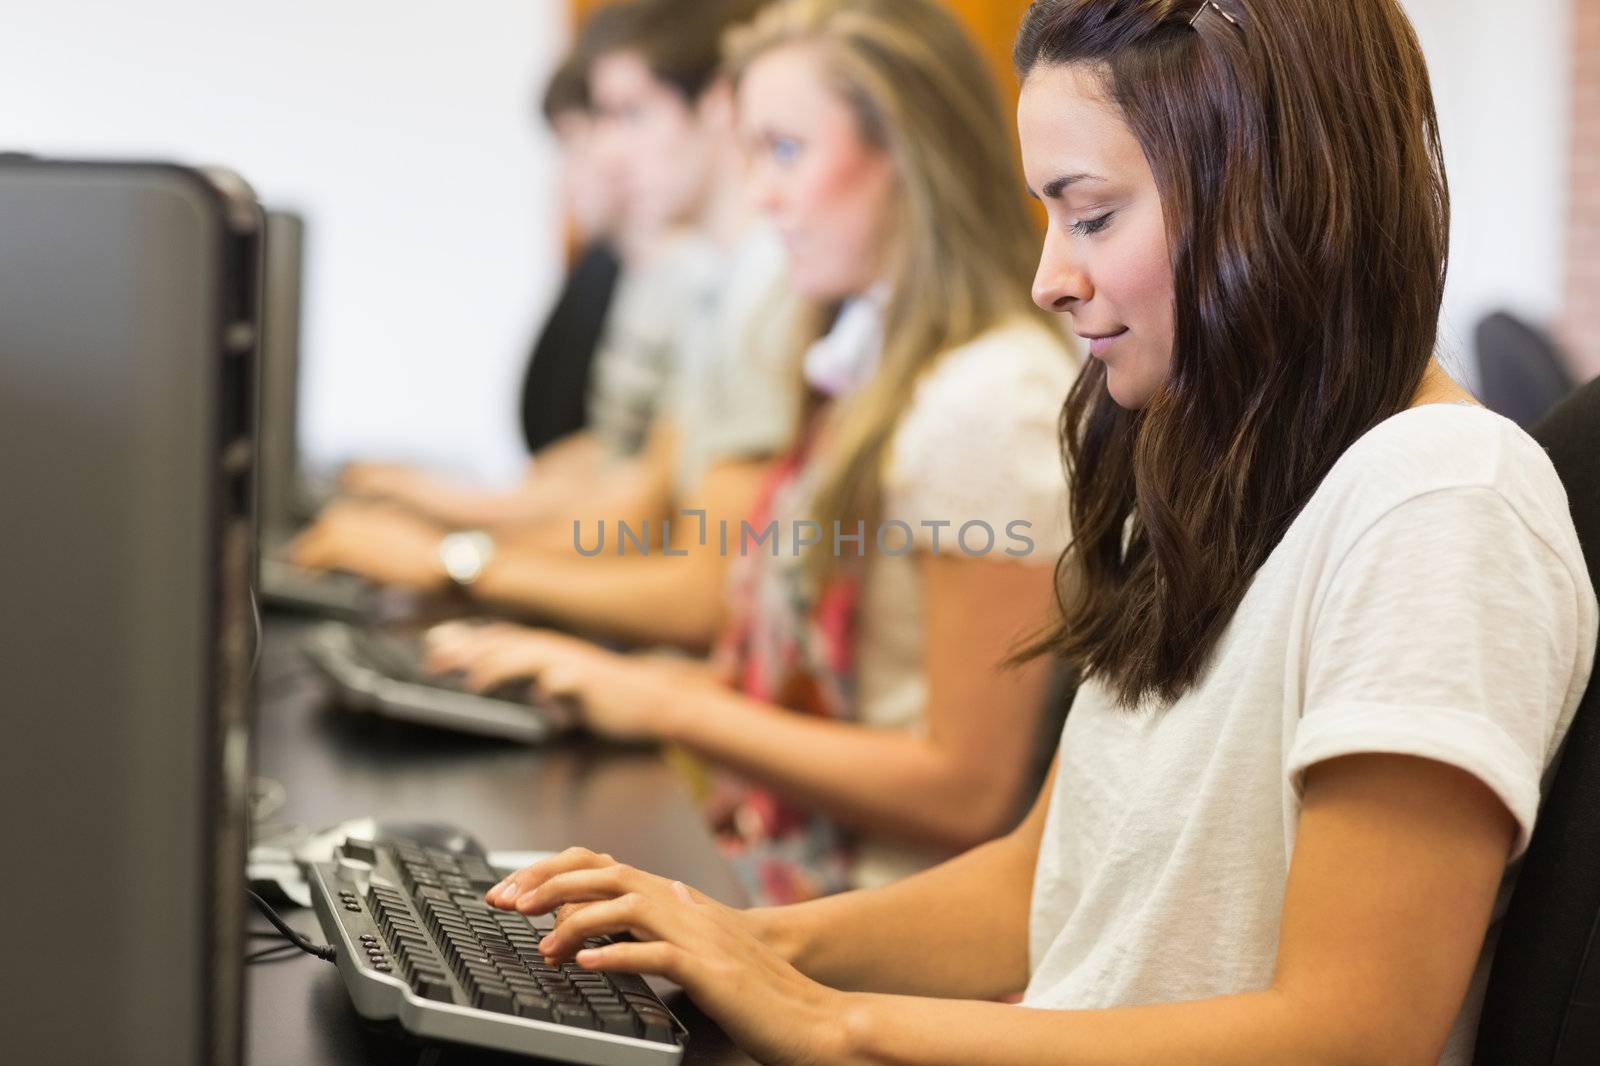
(736, 394)
(704, 335)
(637, 356)
(977, 444)
(1430, 600)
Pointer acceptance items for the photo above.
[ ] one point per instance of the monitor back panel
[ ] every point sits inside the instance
(278, 467)
(127, 362)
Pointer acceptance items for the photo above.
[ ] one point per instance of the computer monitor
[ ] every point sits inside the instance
(282, 511)
(128, 307)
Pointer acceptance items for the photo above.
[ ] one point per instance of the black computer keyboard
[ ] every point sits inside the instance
(401, 655)
(382, 670)
(416, 942)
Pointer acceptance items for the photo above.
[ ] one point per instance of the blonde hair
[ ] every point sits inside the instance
(964, 244)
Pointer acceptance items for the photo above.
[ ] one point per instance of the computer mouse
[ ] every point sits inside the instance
(429, 834)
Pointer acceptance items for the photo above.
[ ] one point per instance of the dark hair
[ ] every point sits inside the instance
(567, 91)
(1296, 150)
(568, 87)
(681, 40)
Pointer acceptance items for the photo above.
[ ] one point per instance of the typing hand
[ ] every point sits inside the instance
(386, 545)
(386, 481)
(769, 1008)
(618, 696)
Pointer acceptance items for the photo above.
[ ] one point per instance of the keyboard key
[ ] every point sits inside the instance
(631, 982)
(657, 1026)
(580, 1017)
(533, 1006)
(431, 985)
(619, 1022)
(496, 998)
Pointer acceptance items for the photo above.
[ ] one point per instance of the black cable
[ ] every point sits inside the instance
(325, 952)
(264, 934)
(280, 953)
(257, 632)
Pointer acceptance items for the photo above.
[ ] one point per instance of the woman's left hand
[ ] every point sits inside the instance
(765, 1005)
(619, 696)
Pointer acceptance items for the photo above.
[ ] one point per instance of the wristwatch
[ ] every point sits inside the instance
(465, 556)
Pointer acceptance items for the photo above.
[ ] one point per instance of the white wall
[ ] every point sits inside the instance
(405, 132)
(1502, 81)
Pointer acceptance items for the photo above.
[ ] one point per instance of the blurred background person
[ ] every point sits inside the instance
(859, 716)
(556, 393)
(694, 386)
(555, 390)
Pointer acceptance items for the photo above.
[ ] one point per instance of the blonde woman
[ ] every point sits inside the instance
(859, 697)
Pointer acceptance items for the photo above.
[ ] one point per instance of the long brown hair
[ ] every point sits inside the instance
(1296, 150)
(963, 241)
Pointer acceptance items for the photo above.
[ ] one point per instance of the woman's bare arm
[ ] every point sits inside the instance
(953, 786)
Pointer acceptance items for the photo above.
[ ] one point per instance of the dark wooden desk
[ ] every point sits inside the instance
(334, 766)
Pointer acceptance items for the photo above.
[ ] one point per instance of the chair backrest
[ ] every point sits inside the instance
(1520, 369)
(1542, 1007)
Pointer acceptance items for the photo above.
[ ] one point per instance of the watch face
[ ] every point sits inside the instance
(464, 555)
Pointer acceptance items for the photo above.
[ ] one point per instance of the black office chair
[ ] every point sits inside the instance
(1543, 1003)
(1520, 369)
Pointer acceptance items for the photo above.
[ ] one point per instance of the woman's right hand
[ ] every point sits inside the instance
(766, 1006)
(757, 922)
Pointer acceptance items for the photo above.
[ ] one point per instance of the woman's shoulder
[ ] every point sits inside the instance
(1019, 369)
(1447, 448)
(1445, 445)
(979, 439)
(1022, 348)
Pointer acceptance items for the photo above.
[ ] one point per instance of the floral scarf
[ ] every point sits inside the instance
(786, 646)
